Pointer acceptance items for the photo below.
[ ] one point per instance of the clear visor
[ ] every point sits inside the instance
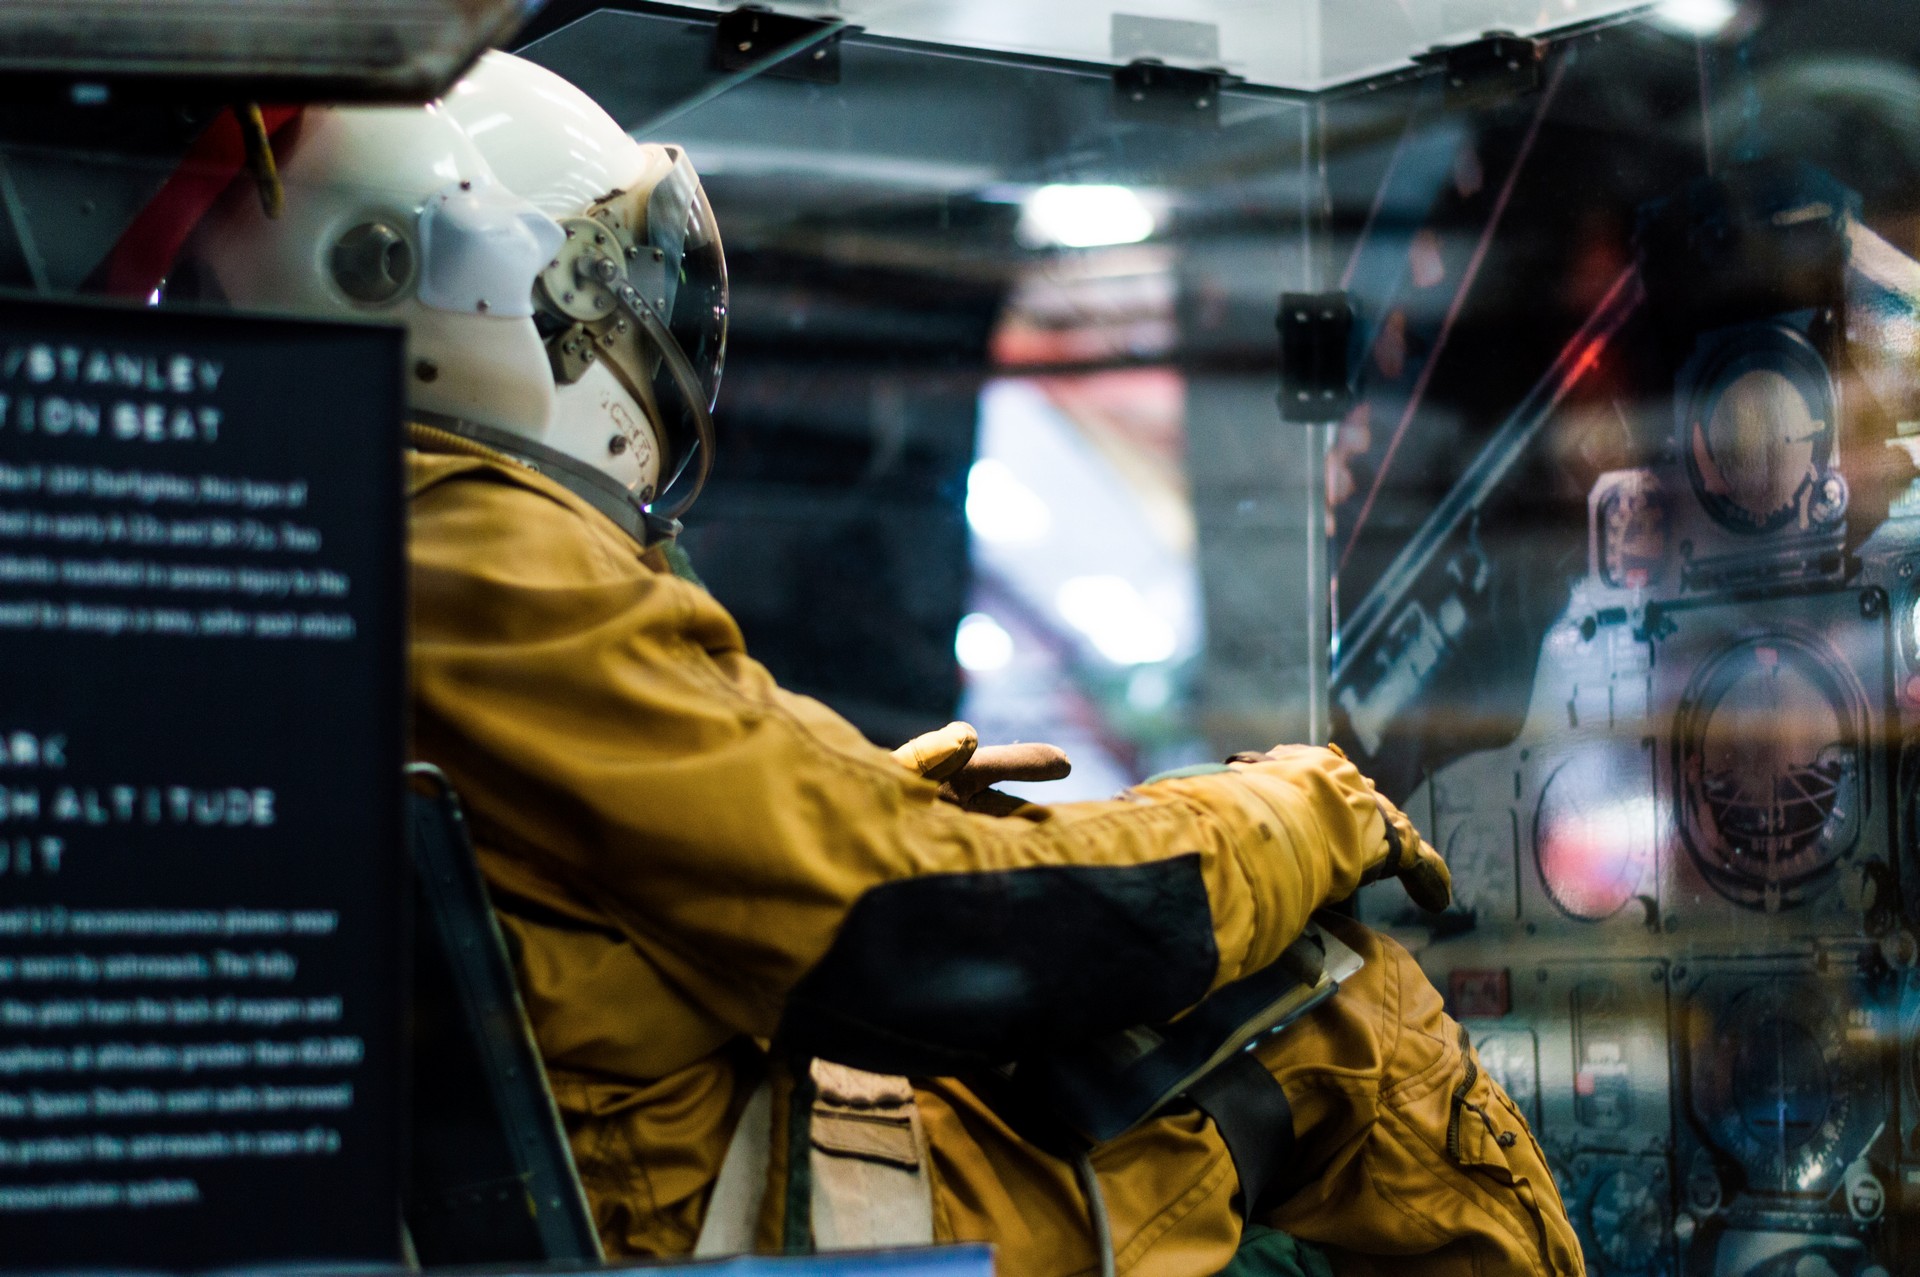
(678, 268)
(680, 224)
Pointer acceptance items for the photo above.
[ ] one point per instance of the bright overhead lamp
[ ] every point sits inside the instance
(1703, 18)
(263, 50)
(981, 644)
(1084, 217)
(1116, 619)
(1002, 509)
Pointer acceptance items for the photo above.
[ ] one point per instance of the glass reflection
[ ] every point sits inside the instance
(1624, 521)
(1638, 414)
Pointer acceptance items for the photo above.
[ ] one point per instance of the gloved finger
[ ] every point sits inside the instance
(1428, 881)
(1279, 753)
(938, 755)
(992, 802)
(1024, 761)
(992, 764)
(1411, 859)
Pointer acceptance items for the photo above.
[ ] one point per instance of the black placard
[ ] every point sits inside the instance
(201, 882)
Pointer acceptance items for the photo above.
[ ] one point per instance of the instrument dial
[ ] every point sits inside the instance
(1780, 1090)
(1770, 762)
(1626, 1219)
(1594, 831)
(1759, 429)
(1633, 532)
(1480, 856)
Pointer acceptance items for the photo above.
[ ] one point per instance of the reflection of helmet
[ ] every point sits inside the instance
(562, 285)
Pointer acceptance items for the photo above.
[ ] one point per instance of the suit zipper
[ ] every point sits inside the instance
(1460, 1096)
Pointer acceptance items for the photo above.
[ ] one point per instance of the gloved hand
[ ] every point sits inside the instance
(1404, 855)
(938, 755)
(967, 771)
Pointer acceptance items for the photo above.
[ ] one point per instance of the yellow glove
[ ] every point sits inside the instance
(938, 755)
(967, 771)
(1404, 854)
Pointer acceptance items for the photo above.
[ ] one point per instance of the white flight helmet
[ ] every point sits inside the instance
(563, 286)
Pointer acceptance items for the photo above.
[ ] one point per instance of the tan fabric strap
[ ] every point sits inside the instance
(871, 1183)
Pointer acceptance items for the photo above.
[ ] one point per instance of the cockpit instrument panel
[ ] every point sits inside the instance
(1689, 866)
(1758, 411)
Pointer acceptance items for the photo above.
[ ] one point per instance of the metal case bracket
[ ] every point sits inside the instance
(1316, 381)
(1152, 92)
(749, 35)
(1497, 66)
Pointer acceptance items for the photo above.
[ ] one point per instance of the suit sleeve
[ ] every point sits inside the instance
(605, 725)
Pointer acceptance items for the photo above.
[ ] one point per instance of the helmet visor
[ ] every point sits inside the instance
(682, 230)
(650, 257)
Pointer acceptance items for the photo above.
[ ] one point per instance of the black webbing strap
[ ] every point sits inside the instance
(1250, 1109)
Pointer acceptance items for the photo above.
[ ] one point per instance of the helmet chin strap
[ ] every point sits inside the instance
(588, 291)
(592, 485)
(605, 272)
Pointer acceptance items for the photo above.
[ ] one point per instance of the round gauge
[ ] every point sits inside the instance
(1769, 760)
(1907, 634)
(1778, 1089)
(1480, 857)
(1626, 1221)
(1510, 1058)
(1910, 1060)
(1759, 409)
(1909, 851)
(1594, 831)
(1633, 532)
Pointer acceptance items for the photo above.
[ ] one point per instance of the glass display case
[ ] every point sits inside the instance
(1620, 521)
(1623, 549)
(1604, 559)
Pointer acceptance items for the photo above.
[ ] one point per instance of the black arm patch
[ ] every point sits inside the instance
(946, 973)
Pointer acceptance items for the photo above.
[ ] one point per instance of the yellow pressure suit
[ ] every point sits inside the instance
(689, 860)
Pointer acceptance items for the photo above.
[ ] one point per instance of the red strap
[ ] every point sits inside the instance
(146, 249)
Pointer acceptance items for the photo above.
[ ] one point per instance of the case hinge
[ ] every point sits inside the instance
(751, 34)
(1497, 66)
(1316, 379)
(1153, 92)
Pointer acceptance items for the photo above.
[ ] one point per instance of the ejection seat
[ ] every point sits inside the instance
(491, 1179)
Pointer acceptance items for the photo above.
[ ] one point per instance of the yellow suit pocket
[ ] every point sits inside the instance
(1486, 1135)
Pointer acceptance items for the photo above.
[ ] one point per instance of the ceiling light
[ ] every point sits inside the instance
(1116, 619)
(982, 644)
(1084, 217)
(1002, 509)
(1701, 18)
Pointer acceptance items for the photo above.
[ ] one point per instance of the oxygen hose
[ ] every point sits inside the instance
(1096, 1211)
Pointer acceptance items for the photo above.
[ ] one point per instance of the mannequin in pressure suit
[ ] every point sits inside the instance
(695, 863)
